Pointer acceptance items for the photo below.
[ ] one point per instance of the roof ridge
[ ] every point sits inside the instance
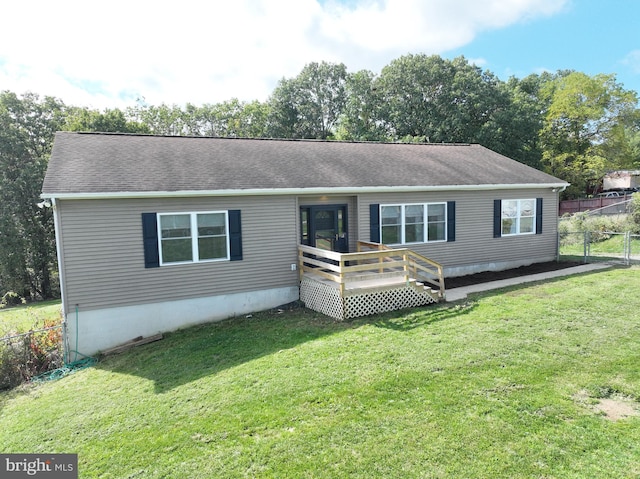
(307, 140)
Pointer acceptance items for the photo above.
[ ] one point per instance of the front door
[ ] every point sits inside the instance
(324, 227)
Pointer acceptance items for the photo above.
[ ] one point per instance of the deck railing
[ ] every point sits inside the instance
(373, 265)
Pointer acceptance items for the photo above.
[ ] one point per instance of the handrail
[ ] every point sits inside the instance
(371, 245)
(438, 273)
(415, 264)
(378, 261)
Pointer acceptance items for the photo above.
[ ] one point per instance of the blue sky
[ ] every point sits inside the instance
(592, 36)
(209, 51)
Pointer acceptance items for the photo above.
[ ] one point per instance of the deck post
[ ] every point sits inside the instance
(405, 267)
(342, 277)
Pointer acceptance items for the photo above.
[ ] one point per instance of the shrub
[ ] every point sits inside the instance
(10, 360)
(26, 355)
(11, 298)
(634, 213)
(598, 225)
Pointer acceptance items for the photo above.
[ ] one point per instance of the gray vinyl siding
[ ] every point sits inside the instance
(102, 247)
(474, 242)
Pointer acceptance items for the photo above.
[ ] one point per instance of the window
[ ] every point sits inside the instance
(413, 223)
(391, 224)
(193, 237)
(518, 217)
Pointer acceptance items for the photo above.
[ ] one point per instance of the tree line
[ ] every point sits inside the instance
(570, 124)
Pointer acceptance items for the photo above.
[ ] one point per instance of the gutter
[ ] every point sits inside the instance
(296, 191)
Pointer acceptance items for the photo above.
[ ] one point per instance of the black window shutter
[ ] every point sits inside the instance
(451, 221)
(538, 216)
(497, 218)
(150, 240)
(235, 236)
(374, 222)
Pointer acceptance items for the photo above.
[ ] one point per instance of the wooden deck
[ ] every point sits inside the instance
(375, 279)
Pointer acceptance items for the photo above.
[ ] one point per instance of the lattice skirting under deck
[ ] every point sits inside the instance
(325, 298)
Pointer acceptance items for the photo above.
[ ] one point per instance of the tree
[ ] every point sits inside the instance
(27, 239)
(309, 105)
(514, 130)
(583, 134)
(253, 120)
(111, 120)
(232, 118)
(160, 120)
(622, 148)
(439, 100)
(361, 119)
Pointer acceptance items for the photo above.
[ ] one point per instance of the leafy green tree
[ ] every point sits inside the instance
(160, 120)
(514, 129)
(634, 147)
(110, 120)
(361, 118)
(309, 105)
(27, 240)
(253, 120)
(622, 148)
(440, 100)
(282, 121)
(232, 118)
(583, 132)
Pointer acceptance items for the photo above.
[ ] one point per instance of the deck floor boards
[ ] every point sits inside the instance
(370, 284)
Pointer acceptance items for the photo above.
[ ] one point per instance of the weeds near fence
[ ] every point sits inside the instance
(26, 355)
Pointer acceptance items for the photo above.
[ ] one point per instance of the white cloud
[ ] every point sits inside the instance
(632, 60)
(108, 54)
(479, 62)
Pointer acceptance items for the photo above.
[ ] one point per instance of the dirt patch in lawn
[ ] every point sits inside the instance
(488, 276)
(617, 408)
(613, 407)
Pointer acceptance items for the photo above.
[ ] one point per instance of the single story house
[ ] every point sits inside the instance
(156, 233)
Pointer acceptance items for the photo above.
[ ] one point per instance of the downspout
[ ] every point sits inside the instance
(558, 223)
(61, 276)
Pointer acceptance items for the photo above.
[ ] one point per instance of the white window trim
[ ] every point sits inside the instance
(193, 215)
(519, 216)
(425, 229)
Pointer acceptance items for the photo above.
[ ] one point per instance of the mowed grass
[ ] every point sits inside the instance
(501, 385)
(19, 319)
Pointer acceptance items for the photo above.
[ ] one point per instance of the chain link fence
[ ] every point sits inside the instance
(25, 356)
(599, 246)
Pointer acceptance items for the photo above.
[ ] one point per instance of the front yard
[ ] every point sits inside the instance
(511, 383)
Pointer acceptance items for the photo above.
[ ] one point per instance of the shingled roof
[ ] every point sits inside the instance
(103, 164)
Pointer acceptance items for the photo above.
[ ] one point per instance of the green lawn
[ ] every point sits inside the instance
(502, 385)
(19, 319)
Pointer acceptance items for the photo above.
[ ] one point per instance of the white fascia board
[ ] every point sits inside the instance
(297, 191)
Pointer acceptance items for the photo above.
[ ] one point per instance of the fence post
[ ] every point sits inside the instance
(627, 248)
(587, 246)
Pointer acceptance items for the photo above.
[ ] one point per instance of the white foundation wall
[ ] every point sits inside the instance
(98, 330)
